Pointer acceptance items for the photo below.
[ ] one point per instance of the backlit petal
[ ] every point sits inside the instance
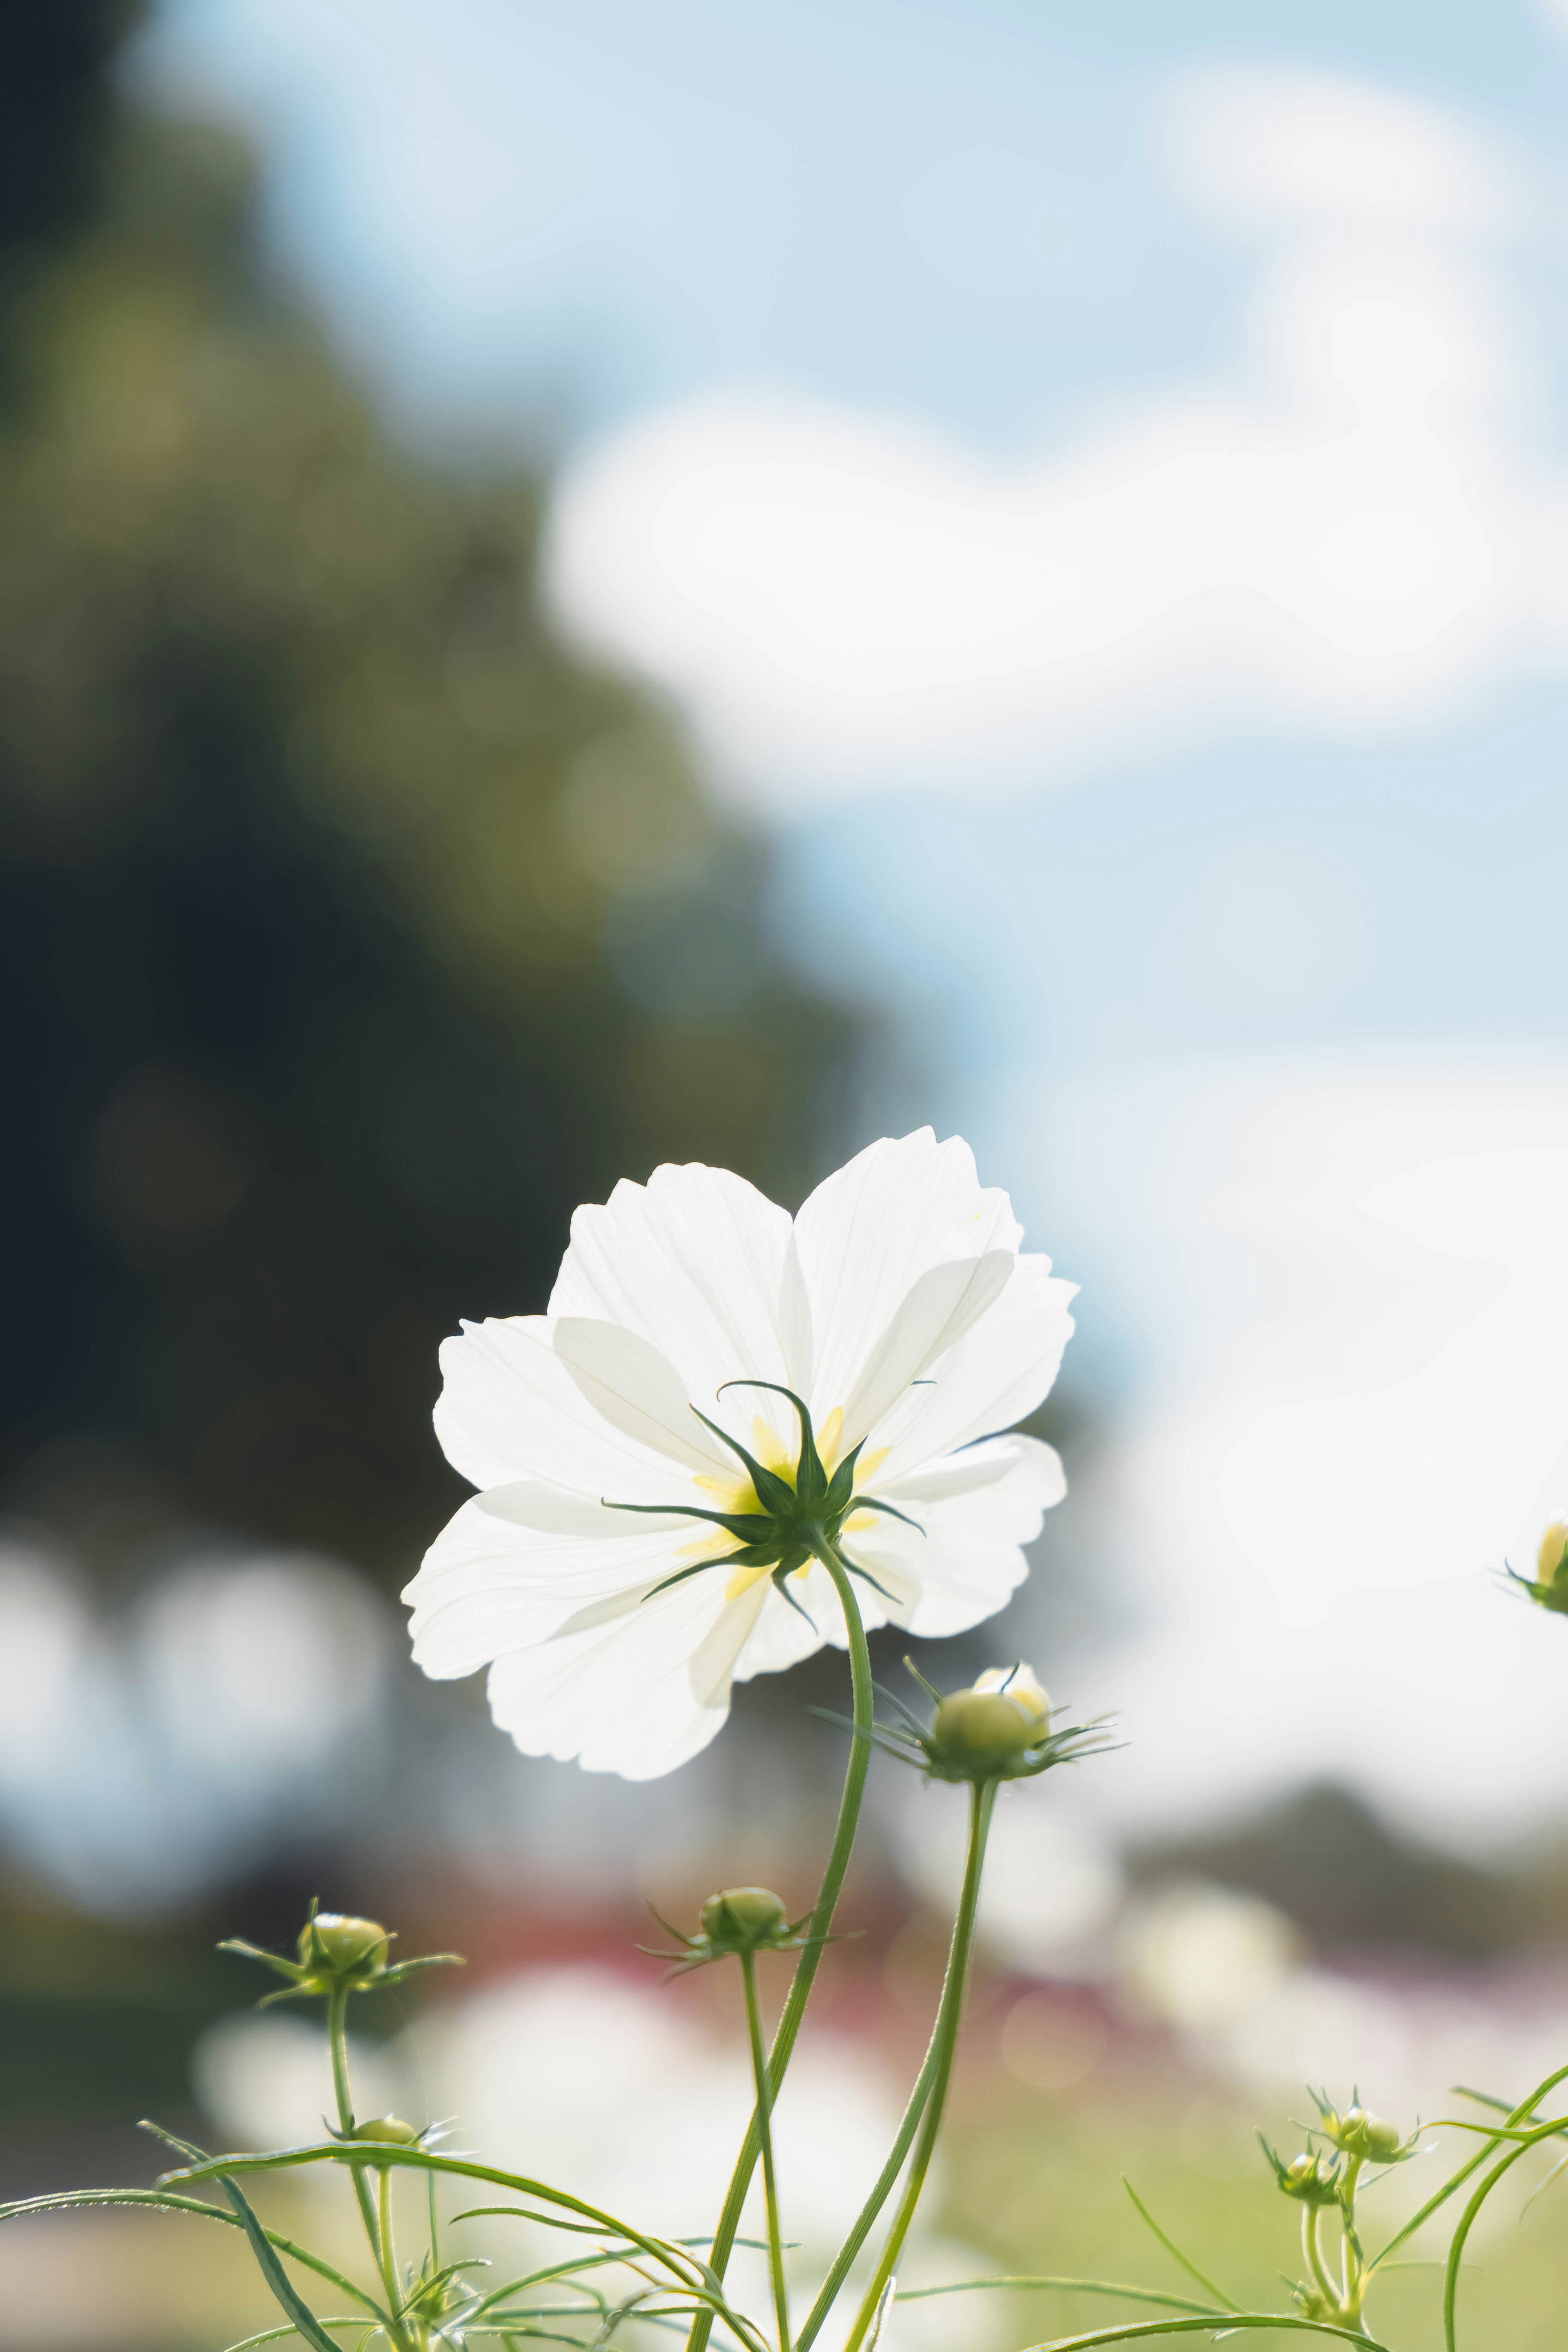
(635, 1388)
(866, 1236)
(621, 1697)
(509, 1409)
(997, 1373)
(941, 1306)
(695, 1262)
(970, 1556)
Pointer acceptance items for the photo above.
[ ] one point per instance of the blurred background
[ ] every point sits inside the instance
(588, 584)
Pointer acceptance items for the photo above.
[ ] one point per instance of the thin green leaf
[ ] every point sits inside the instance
(1175, 2253)
(161, 2201)
(272, 2335)
(305, 2322)
(1227, 2322)
(1064, 2287)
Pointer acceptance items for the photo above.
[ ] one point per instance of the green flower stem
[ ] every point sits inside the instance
(764, 2124)
(827, 1897)
(882, 2190)
(1352, 2285)
(981, 1799)
(337, 2037)
(1312, 2253)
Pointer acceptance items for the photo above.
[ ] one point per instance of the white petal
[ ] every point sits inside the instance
(695, 1262)
(866, 1236)
(635, 1388)
(938, 1308)
(970, 1556)
(489, 1584)
(509, 1409)
(999, 1371)
(623, 1696)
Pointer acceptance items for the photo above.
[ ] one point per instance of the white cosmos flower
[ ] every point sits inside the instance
(897, 1305)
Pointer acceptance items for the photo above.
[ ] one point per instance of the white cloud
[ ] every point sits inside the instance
(1347, 532)
(1356, 1301)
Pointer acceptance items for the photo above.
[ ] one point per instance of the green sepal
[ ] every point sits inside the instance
(870, 1503)
(810, 1478)
(775, 1493)
(840, 1493)
(746, 1527)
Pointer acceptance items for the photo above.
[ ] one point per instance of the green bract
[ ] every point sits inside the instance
(733, 1924)
(338, 1953)
(1309, 2178)
(797, 1515)
(1549, 1587)
(983, 1733)
(1368, 2138)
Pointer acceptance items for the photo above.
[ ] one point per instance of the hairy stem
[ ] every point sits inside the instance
(821, 1920)
(765, 2125)
(982, 1798)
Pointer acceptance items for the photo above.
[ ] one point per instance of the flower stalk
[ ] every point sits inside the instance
(863, 1700)
(949, 2017)
(765, 2133)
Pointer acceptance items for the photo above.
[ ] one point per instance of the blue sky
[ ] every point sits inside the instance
(1094, 478)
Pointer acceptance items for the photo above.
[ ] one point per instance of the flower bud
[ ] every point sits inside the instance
(1363, 2135)
(1023, 1687)
(741, 1918)
(1312, 2179)
(978, 1734)
(1551, 1587)
(343, 1946)
(390, 2130)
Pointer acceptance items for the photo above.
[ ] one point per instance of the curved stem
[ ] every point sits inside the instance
(821, 1920)
(765, 2125)
(1314, 2255)
(1456, 2245)
(1352, 2281)
(981, 1799)
(882, 2190)
(1519, 2114)
(388, 2248)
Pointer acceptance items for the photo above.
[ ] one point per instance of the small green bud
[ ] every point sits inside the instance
(1312, 2179)
(1312, 2304)
(1359, 2134)
(391, 2129)
(343, 1946)
(743, 1918)
(977, 1734)
(1024, 1687)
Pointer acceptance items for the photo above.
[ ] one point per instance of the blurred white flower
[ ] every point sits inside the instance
(897, 1306)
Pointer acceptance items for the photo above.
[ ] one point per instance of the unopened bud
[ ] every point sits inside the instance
(741, 1918)
(390, 2129)
(1024, 1688)
(1364, 2135)
(977, 1734)
(1551, 1586)
(343, 1946)
(1312, 2179)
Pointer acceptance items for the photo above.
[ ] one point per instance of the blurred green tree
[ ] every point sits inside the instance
(352, 927)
